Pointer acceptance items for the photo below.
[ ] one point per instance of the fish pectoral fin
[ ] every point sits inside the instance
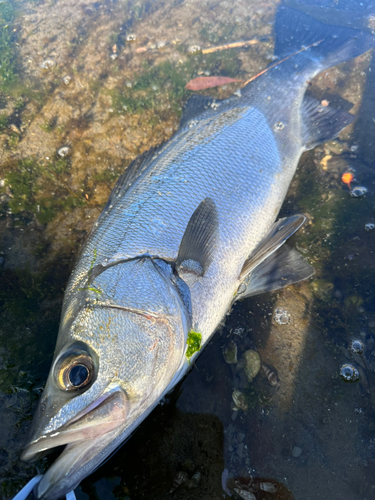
(199, 240)
(195, 106)
(321, 123)
(282, 268)
(277, 236)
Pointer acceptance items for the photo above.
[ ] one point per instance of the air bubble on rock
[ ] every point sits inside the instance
(67, 79)
(48, 64)
(194, 49)
(282, 317)
(239, 331)
(369, 226)
(357, 346)
(349, 373)
(131, 38)
(63, 151)
(358, 191)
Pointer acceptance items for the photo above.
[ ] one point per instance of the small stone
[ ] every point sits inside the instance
(323, 289)
(67, 79)
(369, 226)
(296, 452)
(240, 437)
(48, 64)
(230, 353)
(63, 151)
(194, 49)
(239, 399)
(239, 450)
(269, 487)
(253, 364)
(246, 495)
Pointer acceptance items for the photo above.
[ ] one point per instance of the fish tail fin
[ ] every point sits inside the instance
(324, 44)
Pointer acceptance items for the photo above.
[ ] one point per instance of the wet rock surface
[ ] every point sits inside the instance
(80, 97)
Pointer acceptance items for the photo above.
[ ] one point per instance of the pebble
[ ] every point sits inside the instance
(194, 481)
(282, 317)
(270, 374)
(67, 79)
(239, 399)
(296, 451)
(269, 487)
(131, 38)
(240, 437)
(253, 364)
(63, 151)
(246, 495)
(180, 478)
(48, 64)
(194, 49)
(369, 226)
(239, 449)
(230, 353)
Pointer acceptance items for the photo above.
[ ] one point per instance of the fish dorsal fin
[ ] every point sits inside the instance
(279, 233)
(199, 240)
(196, 105)
(282, 268)
(131, 174)
(321, 123)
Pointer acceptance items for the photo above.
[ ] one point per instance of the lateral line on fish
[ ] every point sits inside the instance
(146, 314)
(282, 60)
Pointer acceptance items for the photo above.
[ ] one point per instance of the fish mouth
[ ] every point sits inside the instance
(85, 438)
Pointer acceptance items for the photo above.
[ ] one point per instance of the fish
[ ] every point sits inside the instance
(189, 228)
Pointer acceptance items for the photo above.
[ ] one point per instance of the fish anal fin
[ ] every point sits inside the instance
(279, 233)
(199, 240)
(282, 268)
(321, 123)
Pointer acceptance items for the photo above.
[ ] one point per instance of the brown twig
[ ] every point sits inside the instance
(234, 45)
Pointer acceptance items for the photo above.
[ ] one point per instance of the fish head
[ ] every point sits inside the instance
(120, 345)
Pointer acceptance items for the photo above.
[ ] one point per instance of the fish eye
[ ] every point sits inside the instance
(75, 371)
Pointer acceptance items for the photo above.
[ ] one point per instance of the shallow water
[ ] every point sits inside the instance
(106, 81)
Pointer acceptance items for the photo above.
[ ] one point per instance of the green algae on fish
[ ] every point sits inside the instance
(194, 342)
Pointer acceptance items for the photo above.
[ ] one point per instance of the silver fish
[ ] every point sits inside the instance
(188, 227)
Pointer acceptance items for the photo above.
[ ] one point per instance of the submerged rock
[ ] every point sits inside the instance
(230, 352)
(239, 399)
(252, 364)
